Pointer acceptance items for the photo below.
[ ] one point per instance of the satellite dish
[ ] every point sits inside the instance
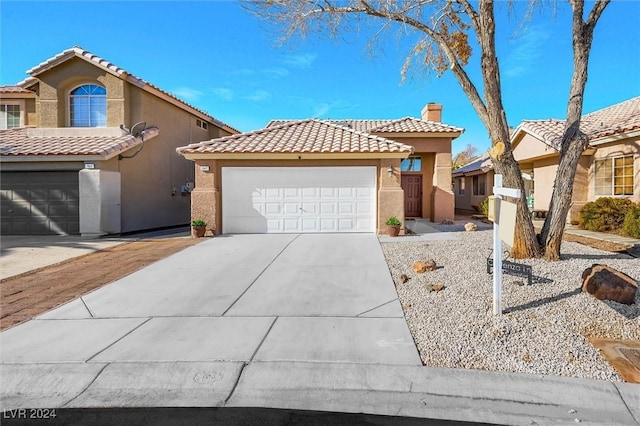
(138, 128)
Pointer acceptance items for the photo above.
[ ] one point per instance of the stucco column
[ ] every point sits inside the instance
(390, 194)
(205, 198)
(442, 198)
(99, 202)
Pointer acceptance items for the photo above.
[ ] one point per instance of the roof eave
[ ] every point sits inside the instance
(294, 156)
(391, 135)
(615, 137)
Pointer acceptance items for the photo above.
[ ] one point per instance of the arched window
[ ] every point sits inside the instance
(88, 106)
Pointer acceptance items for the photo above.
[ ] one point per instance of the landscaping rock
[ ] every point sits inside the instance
(420, 267)
(434, 287)
(470, 227)
(447, 222)
(604, 282)
(426, 266)
(404, 278)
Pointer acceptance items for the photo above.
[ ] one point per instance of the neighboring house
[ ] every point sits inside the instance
(472, 183)
(325, 175)
(74, 163)
(609, 167)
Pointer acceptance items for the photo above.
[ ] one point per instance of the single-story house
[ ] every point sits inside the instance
(325, 175)
(609, 167)
(472, 183)
(88, 148)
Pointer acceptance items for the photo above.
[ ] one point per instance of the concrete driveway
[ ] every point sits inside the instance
(305, 322)
(245, 298)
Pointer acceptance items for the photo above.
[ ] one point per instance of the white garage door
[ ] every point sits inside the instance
(298, 199)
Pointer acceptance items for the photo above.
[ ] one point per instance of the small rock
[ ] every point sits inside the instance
(447, 222)
(520, 283)
(470, 227)
(438, 287)
(604, 282)
(429, 287)
(430, 264)
(404, 278)
(572, 411)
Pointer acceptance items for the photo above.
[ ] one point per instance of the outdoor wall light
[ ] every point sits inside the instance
(390, 170)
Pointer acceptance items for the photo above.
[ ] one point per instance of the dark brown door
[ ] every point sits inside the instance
(412, 185)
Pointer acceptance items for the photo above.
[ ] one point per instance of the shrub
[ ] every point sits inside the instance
(605, 214)
(198, 222)
(483, 207)
(631, 225)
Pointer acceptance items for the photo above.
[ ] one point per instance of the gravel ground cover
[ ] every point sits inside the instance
(545, 326)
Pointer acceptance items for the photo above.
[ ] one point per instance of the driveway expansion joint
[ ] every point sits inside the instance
(86, 387)
(118, 340)
(376, 307)
(235, 385)
(260, 274)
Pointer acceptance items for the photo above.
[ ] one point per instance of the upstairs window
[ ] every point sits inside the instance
(88, 106)
(202, 124)
(614, 176)
(9, 116)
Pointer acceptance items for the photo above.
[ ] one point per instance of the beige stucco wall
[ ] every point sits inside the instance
(207, 196)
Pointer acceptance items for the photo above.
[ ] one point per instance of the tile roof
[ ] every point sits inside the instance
(401, 125)
(14, 89)
(102, 142)
(483, 163)
(619, 118)
(301, 136)
(79, 52)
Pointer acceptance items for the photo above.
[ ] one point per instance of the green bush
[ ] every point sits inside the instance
(631, 225)
(483, 207)
(605, 214)
(393, 221)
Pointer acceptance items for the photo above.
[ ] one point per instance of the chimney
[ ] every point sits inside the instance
(432, 112)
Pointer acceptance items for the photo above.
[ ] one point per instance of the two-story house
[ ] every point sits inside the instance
(88, 148)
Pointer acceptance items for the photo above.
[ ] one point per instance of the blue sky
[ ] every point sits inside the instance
(220, 58)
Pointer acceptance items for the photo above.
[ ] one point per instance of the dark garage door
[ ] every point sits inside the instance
(40, 203)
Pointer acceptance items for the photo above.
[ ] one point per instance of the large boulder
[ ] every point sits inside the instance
(604, 282)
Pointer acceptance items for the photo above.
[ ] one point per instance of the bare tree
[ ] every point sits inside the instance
(465, 156)
(444, 27)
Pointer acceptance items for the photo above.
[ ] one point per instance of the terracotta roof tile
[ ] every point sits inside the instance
(303, 136)
(14, 89)
(80, 142)
(405, 124)
(77, 51)
(618, 118)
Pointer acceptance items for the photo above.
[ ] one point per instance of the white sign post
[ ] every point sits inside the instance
(499, 192)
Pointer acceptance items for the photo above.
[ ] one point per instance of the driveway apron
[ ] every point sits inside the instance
(236, 298)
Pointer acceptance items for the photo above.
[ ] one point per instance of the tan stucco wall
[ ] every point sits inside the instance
(437, 197)
(151, 182)
(527, 147)
(207, 196)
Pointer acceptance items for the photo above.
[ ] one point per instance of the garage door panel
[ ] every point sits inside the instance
(40, 203)
(299, 199)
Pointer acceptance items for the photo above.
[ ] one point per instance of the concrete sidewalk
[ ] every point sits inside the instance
(308, 322)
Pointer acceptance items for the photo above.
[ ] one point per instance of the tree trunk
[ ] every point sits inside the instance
(574, 142)
(525, 242)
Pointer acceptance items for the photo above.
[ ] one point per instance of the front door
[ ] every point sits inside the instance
(412, 186)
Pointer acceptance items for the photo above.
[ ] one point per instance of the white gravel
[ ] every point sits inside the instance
(545, 326)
